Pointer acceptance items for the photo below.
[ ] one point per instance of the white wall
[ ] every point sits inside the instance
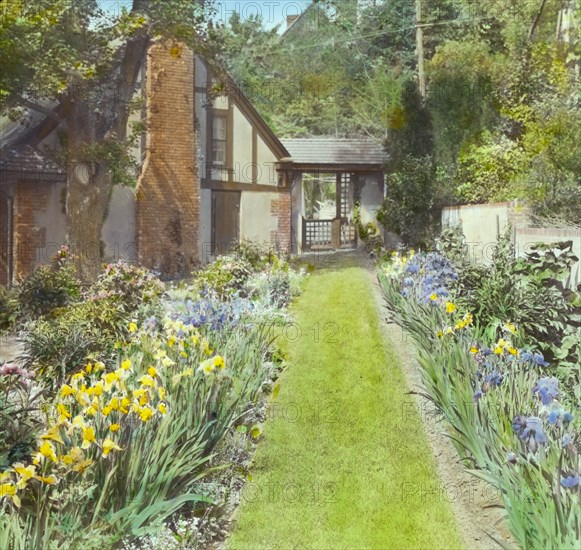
(256, 221)
(205, 228)
(53, 221)
(372, 191)
(118, 231)
(266, 160)
(482, 223)
(242, 147)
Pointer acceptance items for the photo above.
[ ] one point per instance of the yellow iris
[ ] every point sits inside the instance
(162, 393)
(498, 350)
(114, 427)
(433, 297)
(108, 446)
(450, 307)
(47, 450)
(53, 434)
(8, 490)
(219, 362)
(473, 350)
(63, 412)
(147, 380)
(126, 365)
(66, 390)
(152, 371)
(162, 408)
(88, 437)
(132, 327)
(145, 414)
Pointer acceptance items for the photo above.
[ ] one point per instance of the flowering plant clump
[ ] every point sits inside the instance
(133, 285)
(513, 420)
(428, 277)
(209, 312)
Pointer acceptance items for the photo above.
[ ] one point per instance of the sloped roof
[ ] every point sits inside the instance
(27, 158)
(321, 150)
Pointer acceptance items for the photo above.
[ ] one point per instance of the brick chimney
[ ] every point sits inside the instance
(168, 189)
(290, 19)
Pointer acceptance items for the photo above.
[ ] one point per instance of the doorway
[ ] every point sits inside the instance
(225, 221)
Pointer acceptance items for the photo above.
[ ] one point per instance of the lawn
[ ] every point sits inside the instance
(344, 462)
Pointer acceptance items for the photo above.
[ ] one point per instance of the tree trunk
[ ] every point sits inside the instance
(88, 191)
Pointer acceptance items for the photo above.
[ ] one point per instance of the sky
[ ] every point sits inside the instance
(272, 11)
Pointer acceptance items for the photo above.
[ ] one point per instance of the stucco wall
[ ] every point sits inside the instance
(52, 221)
(256, 219)
(297, 213)
(482, 223)
(205, 230)
(371, 196)
(242, 147)
(266, 173)
(118, 232)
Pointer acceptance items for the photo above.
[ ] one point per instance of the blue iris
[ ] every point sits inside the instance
(553, 417)
(548, 389)
(570, 481)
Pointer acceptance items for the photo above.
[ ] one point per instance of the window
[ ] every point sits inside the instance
(219, 138)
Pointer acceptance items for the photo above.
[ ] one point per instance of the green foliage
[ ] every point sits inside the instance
(56, 347)
(61, 344)
(484, 395)
(8, 308)
(19, 418)
(411, 206)
(227, 275)
(137, 288)
(47, 288)
(531, 292)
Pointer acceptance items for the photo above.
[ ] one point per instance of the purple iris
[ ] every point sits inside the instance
(548, 389)
(529, 430)
(570, 481)
(567, 417)
(412, 268)
(478, 395)
(494, 378)
(486, 351)
(567, 440)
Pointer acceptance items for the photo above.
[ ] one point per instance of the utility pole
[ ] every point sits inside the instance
(420, 50)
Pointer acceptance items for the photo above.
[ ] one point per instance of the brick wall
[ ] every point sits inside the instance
(280, 208)
(4, 239)
(168, 190)
(30, 198)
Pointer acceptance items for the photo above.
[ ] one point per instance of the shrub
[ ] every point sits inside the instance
(49, 287)
(58, 346)
(19, 419)
(8, 308)
(135, 286)
(226, 276)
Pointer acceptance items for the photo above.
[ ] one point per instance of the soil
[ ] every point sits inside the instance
(475, 504)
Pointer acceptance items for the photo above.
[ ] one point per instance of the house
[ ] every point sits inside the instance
(210, 173)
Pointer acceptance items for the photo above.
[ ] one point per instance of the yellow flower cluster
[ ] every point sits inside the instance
(96, 404)
(502, 347)
(461, 324)
(397, 262)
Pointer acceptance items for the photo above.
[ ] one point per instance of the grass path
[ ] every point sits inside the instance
(344, 462)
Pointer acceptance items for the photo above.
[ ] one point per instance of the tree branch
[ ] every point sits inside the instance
(536, 20)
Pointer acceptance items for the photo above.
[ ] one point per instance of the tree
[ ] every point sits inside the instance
(84, 62)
